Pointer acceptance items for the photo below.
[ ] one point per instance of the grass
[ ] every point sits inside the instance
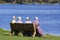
(4, 35)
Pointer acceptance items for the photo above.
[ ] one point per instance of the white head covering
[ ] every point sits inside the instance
(19, 18)
(27, 17)
(14, 17)
(36, 18)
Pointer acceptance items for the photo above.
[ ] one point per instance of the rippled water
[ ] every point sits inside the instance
(49, 16)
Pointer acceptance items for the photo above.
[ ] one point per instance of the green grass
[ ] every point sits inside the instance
(4, 35)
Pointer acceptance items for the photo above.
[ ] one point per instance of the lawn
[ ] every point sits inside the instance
(4, 35)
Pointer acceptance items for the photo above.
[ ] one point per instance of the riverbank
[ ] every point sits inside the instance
(5, 35)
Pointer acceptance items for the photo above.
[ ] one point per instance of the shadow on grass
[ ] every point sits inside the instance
(6, 34)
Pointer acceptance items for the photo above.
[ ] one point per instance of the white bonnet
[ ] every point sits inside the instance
(19, 18)
(36, 18)
(27, 17)
(14, 16)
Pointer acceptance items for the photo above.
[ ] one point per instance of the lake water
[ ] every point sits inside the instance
(48, 14)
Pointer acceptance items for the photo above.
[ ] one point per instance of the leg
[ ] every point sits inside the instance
(34, 33)
(37, 33)
(11, 32)
(16, 32)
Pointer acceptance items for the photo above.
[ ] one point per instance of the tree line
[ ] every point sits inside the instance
(29, 1)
